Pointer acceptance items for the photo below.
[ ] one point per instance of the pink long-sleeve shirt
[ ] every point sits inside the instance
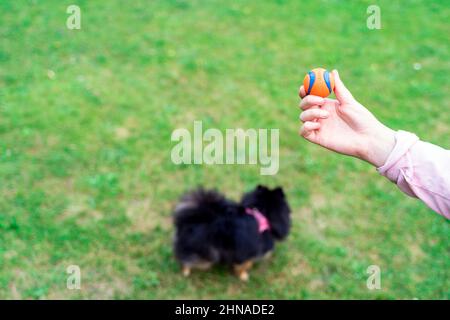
(421, 170)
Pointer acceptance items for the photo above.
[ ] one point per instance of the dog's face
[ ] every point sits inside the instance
(273, 204)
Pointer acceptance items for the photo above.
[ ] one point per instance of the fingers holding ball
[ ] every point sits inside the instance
(313, 114)
(311, 101)
(308, 127)
(317, 85)
(301, 92)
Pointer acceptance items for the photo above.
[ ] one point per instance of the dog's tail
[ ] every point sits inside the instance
(199, 206)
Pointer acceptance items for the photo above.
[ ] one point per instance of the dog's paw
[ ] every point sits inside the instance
(186, 271)
(244, 276)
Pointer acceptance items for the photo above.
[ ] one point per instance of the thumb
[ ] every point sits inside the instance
(342, 93)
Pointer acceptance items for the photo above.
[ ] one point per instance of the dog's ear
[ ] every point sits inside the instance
(279, 190)
(259, 187)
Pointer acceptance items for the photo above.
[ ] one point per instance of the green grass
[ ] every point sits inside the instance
(85, 170)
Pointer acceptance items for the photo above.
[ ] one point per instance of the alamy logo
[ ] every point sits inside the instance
(74, 20)
(235, 146)
(374, 18)
(374, 280)
(74, 278)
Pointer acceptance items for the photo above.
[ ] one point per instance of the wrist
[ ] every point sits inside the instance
(379, 146)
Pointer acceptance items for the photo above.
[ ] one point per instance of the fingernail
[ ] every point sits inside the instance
(324, 114)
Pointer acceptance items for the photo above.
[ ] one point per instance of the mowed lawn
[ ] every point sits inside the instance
(86, 118)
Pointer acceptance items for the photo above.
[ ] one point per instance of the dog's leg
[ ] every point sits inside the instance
(205, 265)
(268, 255)
(241, 270)
(186, 270)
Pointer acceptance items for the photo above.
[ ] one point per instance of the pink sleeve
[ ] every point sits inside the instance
(420, 169)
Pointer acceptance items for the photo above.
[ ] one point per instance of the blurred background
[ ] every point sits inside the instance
(85, 123)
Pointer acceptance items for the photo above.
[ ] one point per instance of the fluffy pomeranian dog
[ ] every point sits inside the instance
(212, 229)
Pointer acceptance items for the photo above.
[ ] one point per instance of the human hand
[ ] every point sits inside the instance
(345, 126)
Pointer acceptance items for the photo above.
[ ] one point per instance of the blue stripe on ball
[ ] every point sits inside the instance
(312, 78)
(326, 77)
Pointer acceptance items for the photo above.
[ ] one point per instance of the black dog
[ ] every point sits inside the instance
(212, 229)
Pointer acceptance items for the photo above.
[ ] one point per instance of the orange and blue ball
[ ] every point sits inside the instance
(319, 82)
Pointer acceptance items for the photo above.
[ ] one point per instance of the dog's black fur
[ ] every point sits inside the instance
(212, 229)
